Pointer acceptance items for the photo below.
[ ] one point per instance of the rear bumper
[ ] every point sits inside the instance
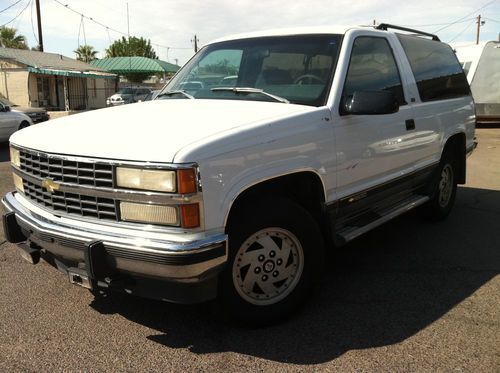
(186, 262)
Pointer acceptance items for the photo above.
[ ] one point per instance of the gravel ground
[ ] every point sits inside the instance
(409, 296)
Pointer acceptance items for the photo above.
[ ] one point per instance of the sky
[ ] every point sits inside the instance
(172, 24)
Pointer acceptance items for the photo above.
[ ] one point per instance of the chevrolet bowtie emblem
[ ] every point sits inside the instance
(50, 185)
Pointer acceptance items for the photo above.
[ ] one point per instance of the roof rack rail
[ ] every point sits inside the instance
(385, 26)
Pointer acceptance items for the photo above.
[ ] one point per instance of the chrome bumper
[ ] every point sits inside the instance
(182, 260)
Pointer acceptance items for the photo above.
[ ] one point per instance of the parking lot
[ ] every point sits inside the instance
(409, 296)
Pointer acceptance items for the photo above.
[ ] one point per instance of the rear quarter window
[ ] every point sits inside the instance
(436, 69)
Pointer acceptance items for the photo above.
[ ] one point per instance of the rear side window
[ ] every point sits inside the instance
(436, 69)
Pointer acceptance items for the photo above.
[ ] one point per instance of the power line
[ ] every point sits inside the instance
(440, 24)
(109, 36)
(82, 28)
(18, 14)
(10, 6)
(20, 19)
(491, 19)
(461, 32)
(468, 15)
(109, 28)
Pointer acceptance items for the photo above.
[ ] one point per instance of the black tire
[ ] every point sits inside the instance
(23, 124)
(445, 188)
(297, 237)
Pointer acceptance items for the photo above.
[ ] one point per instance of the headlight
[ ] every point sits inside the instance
(156, 180)
(154, 214)
(15, 157)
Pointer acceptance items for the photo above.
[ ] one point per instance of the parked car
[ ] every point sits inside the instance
(36, 114)
(152, 95)
(128, 95)
(238, 192)
(11, 121)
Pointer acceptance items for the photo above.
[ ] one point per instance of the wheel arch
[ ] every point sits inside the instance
(456, 144)
(24, 123)
(303, 187)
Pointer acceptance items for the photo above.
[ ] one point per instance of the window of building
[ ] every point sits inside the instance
(43, 89)
(94, 88)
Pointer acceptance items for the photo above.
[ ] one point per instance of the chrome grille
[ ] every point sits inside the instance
(70, 203)
(76, 172)
(58, 169)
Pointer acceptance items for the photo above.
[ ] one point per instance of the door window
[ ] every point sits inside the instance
(373, 68)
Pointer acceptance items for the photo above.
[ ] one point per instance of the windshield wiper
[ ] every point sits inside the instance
(245, 90)
(178, 92)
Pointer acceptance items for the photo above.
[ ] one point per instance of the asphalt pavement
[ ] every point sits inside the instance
(408, 296)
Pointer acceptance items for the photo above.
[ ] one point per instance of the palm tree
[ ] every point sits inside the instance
(9, 39)
(86, 53)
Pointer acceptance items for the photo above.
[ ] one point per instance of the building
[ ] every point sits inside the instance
(139, 65)
(53, 81)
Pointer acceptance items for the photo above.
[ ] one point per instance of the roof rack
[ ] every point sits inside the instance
(385, 26)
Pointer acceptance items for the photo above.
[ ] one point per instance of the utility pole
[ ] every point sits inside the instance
(479, 24)
(39, 19)
(128, 24)
(128, 41)
(195, 41)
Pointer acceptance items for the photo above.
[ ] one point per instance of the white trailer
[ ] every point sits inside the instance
(481, 64)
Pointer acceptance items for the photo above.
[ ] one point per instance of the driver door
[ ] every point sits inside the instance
(367, 144)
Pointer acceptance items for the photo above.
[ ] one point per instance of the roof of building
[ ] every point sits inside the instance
(127, 65)
(52, 63)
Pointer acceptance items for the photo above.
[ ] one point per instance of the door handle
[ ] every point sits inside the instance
(410, 124)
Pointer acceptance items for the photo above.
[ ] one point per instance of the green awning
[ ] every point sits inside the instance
(134, 65)
(71, 73)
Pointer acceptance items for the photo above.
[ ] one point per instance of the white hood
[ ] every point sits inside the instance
(150, 131)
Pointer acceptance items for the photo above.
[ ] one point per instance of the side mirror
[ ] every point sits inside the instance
(7, 108)
(371, 102)
(4, 108)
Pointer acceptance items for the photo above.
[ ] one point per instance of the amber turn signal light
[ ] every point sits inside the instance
(190, 215)
(187, 181)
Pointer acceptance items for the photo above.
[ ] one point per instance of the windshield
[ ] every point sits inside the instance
(6, 102)
(126, 91)
(297, 69)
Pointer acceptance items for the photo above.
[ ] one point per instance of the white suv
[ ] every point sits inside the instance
(238, 190)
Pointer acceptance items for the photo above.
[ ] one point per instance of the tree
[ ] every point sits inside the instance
(132, 46)
(10, 39)
(85, 53)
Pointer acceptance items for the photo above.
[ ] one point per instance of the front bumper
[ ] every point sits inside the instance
(116, 103)
(39, 118)
(187, 262)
